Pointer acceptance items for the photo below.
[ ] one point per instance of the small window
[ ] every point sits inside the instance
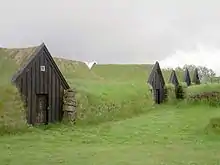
(42, 68)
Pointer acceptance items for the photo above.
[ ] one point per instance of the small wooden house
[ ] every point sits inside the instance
(42, 86)
(196, 79)
(187, 78)
(173, 79)
(157, 83)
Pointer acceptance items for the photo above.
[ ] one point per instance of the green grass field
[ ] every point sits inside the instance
(166, 135)
(117, 124)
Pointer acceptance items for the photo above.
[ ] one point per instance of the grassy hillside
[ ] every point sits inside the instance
(129, 72)
(75, 70)
(107, 96)
(99, 98)
(11, 106)
(78, 70)
(104, 93)
(117, 72)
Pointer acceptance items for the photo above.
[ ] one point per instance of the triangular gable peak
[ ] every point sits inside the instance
(26, 63)
(38, 52)
(173, 78)
(160, 73)
(187, 78)
(150, 78)
(155, 76)
(196, 79)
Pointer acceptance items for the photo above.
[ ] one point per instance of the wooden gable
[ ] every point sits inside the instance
(39, 52)
(156, 79)
(42, 86)
(196, 79)
(173, 78)
(187, 78)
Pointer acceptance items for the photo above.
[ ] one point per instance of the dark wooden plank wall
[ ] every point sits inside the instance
(157, 85)
(33, 82)
(156, 81)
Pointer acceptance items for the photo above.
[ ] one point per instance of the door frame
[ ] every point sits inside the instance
(45, 111)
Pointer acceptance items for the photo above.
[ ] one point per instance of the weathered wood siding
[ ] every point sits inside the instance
(157, 82)
(32, 82)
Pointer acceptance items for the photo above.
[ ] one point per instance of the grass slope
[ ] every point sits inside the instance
(168, 135)
(107, 96)
(130, 72)
(75, 70)
(11, 107)
(105, 93)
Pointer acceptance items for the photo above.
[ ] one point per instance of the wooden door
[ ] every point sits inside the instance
(158, 96)
(42, 109)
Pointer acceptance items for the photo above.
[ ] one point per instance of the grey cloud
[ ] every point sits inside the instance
(110, 31)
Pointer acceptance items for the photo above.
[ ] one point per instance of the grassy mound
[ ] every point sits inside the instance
(12, 116)
(175, 94)
(118, 72)
(109, 93)
(99, 97)
(106, 92)
(130, 72)
(213, 126)
(99, 102)
(74, 70)
(204, 94)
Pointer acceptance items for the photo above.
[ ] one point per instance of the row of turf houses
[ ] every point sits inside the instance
(42, 85)
(157, 82)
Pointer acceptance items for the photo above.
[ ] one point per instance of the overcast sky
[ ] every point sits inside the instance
(111, 31)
